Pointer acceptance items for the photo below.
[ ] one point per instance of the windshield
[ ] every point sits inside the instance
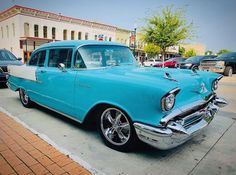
(230, 54)
(6, 56)
(95, 56)
(195, 59)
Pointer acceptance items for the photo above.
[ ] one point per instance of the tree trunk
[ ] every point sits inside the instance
(163, 54)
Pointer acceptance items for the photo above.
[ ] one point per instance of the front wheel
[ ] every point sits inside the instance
(24, 98)
(116, 129)
(228, 71)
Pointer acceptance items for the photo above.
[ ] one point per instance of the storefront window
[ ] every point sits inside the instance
(72, 35)
(86, 36)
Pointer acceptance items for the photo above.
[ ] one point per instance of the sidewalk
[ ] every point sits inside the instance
(23, 152)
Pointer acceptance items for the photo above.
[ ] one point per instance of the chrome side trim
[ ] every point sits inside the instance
(68, 116)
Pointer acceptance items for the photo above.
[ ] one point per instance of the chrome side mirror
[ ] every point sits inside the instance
(62, 67)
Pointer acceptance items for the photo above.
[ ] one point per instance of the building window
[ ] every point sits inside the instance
(109, 38)
(95, 37)
(26, 29)
(72, 35)
(64, 34)
(79, 35)
(53, 33)
(2, 32)
(7, 32)
(13, 30)
(105, 38)
(86, 36)
(36, 30)
(45, 31)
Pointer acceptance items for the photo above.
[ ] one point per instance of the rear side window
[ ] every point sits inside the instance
(38, 59)
(57, 56)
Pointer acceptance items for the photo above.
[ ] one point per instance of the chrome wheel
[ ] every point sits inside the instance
(115, 126)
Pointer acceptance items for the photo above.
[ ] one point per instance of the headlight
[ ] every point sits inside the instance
(215, 85)
(188, 65)
(168, 102)
(220, 63)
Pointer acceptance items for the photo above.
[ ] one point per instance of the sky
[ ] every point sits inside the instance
(214, 20)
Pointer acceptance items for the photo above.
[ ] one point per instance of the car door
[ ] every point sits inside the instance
(57, 84)
(36, 61)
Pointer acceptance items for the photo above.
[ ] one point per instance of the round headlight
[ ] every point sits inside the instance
(168, 102)
(215, 85)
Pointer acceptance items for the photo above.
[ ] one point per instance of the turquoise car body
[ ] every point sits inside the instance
(138, 91)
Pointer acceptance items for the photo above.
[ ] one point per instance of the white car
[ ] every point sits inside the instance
(151, 62)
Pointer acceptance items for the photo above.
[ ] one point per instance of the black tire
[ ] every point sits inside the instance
(24, 98)
(115, 142)
(228, 71)
(195, 68)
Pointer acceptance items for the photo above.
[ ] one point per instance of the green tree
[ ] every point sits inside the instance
(208, 52)
(168, 29)
(223, 51)
(181, 51)
(190, 53)
(151, 50)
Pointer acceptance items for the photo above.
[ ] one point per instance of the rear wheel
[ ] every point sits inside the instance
(24, 98)
(116, 129)
(228, 71)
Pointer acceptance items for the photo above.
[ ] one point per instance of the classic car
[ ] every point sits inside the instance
(171, 63)
(128, 103)
(6, 58)
(224, 64)
(194, 62)
(151, 62)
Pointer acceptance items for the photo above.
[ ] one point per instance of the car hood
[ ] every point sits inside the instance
(189, 82)
(5, 63)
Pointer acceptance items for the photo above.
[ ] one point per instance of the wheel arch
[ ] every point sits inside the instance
(94, 111)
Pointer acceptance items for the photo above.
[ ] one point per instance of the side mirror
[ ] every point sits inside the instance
(19, 59)
(62, 67)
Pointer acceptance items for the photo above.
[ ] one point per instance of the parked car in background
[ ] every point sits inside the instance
(224, 63)
(171, 63)
(161, 107)
(6, 58)
(194, 62)
(151, 62)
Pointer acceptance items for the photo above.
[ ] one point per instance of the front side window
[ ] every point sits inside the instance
(57, 56)
(95, 56)
(38, 59)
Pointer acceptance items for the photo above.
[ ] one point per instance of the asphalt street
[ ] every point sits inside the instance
(211, 152)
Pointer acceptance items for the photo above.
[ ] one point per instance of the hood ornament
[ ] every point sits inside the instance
(200, 89)
(169, 77)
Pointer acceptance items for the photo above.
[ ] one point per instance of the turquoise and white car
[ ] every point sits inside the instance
(101, 82)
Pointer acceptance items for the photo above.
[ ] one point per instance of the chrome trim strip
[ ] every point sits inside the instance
(68, 116)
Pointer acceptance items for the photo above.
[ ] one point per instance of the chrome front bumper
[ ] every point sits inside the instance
(177, 129)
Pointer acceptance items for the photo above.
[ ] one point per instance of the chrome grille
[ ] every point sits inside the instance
(208, 63)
